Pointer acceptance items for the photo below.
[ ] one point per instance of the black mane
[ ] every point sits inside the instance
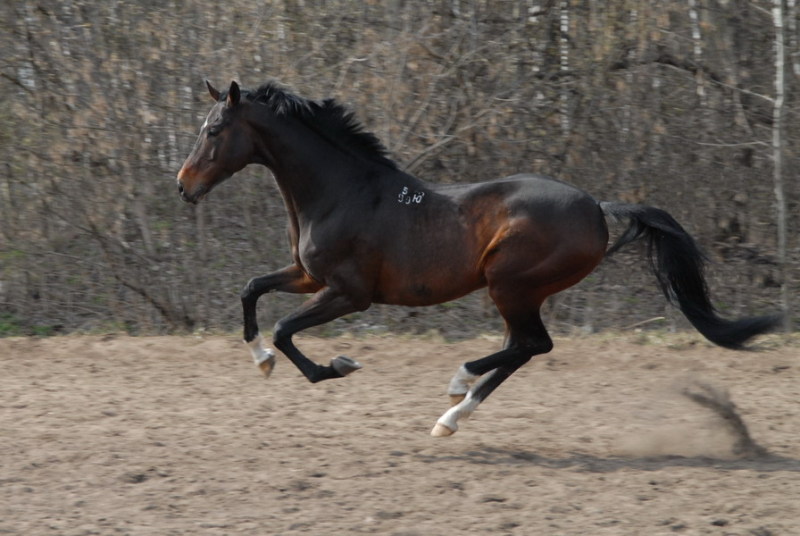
(331, 119)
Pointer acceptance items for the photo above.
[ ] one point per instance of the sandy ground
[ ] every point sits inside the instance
(181, 435)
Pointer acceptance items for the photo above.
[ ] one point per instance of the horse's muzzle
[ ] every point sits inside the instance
(191, 197)
(181, 191)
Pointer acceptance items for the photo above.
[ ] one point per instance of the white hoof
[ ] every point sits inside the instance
(440, 430)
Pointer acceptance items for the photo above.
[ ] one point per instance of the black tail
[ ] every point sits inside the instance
(678, 265)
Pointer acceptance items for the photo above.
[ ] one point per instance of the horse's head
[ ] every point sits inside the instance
(223, 147)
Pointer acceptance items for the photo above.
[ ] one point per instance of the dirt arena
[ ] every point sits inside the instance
(182, 436)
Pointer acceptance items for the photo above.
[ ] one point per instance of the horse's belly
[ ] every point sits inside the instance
(426, 286)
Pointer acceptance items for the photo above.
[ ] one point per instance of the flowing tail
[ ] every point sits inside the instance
(678, 264)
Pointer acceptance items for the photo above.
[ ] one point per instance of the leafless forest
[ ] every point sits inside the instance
(688, 105)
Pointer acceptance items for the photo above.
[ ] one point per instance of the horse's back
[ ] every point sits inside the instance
(555, 206)
(530, 189)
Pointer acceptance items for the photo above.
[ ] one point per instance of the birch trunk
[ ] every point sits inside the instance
(777, 157)
(564, 66)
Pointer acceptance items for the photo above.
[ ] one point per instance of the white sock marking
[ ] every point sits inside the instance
(460, 410)
(466, 407)
(461, 381)
(260, 354)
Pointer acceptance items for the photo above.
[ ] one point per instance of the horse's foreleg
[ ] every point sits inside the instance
(263, 357)
(291, 279)
(324, 306)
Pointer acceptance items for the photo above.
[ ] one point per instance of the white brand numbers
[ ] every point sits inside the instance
(406, 197)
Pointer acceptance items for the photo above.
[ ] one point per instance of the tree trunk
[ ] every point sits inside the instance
(777, 157)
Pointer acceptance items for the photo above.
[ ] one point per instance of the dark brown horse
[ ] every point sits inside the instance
(362, 231)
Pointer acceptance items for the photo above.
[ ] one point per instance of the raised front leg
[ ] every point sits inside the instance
(326, 305)
(290, 279)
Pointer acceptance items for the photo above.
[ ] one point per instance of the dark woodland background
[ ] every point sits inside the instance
(677, 104)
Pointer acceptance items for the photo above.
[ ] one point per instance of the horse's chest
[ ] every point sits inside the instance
(324, 254)
(311, 259)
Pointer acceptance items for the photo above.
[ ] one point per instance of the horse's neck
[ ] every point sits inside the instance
(314, 186)
(314, 175)
(296, 161)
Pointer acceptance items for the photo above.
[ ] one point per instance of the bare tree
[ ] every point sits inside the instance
(778, 113)
(645, 101)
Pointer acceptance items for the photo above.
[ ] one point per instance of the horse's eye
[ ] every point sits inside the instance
(214, 130)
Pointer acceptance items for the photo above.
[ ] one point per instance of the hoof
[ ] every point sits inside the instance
(457, 399)
(264, 358)
(344, 365)
(266, 366)
(440, 430)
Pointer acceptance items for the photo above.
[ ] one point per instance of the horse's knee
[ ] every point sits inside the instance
(360, 301)
(249, 290)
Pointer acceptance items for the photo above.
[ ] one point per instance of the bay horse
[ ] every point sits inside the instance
(363, 231)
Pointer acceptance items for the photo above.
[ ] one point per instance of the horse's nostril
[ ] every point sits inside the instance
(180, 188)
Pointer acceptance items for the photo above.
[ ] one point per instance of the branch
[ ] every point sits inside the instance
(668, 60)
(174, 318)
(17, 82)
(421, 157)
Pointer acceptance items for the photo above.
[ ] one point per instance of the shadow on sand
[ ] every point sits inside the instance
(763, 462)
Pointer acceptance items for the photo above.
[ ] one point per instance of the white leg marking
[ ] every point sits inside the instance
(448, 423)
(460, 383)
(264, 358)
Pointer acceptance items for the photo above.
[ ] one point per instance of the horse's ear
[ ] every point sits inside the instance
(213, 91)
(234, 94)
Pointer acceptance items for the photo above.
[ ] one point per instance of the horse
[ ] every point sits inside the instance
(363, 231)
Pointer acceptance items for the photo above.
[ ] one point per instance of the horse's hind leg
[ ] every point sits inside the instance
(527, 337)
(468, 373)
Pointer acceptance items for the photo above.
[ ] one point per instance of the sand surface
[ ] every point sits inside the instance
(117, 435)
